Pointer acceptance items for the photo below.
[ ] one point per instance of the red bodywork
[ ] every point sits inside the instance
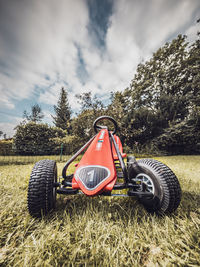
(101, 156)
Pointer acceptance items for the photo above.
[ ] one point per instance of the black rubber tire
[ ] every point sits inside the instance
(167, 190)
(41, 190)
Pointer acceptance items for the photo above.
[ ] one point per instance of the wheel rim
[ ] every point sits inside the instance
(146, 179)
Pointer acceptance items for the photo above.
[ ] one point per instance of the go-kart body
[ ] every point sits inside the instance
(101, 168)
(96, 172)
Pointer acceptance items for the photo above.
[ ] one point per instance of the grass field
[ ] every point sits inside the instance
(100, 231)
(10, 160)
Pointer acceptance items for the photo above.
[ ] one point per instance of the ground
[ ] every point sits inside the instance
(99, 231)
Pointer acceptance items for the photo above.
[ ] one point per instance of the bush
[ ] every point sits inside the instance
(37, 139)
(6, 147)
(183, 138)
(70, 144)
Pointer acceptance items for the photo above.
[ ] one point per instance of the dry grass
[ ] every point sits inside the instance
(100, 231)
(19, 160)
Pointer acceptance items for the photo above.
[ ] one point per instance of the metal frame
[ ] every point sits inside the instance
(75, 156)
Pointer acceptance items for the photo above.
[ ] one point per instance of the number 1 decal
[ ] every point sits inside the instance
(91, 175)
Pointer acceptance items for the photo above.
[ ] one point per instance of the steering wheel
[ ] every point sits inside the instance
(100, 127)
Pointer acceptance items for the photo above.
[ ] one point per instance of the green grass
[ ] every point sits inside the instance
(6, 160)
(100, 231)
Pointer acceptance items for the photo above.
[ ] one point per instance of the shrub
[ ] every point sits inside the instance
(6, 147)
(183, 138)
(70, 144)
(37, 139)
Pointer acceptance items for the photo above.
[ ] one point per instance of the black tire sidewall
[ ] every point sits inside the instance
(161, 176)
(41, 190)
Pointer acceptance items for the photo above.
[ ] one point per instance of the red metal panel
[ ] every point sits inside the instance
(98, 154)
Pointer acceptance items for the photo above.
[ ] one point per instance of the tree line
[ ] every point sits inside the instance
(158, 113)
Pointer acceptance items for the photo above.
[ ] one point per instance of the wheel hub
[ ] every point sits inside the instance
(145, 179)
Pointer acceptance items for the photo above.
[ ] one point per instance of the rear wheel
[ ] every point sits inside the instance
(157, 178)
(41, 189)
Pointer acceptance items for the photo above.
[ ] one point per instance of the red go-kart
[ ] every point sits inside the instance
(102, 170)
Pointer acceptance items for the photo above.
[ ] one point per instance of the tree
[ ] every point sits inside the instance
(1, 133)
(161, 91)
(36, 114)
(120, 110)
(159, 84)
(89, 103)
(194, 79)
(63, 112)
(82, 125)
(164, 93)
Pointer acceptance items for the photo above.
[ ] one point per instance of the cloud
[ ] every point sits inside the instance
(49, 44)
(148, 24)
(8, 127)
(135, 30)
(43, 36)
(191, 32)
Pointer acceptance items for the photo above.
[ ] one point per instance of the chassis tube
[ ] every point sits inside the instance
(124, 170)
(76, 155)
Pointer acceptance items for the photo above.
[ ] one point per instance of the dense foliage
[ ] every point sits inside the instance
(37, 139)
(6, 147)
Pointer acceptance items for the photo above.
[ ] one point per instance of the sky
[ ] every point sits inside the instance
(81, 45)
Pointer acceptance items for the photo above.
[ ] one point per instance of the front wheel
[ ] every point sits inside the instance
(41, 188)
(158, 179)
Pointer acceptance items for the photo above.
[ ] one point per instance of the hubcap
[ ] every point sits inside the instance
(143, 178)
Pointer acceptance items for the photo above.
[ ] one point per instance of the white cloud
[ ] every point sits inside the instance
(191, 32)
(8, 127)
(47, 117)
(5, 101)
(51, 96)
(44, 35)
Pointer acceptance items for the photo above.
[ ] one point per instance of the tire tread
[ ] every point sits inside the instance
(169, 182)
(40, 188)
